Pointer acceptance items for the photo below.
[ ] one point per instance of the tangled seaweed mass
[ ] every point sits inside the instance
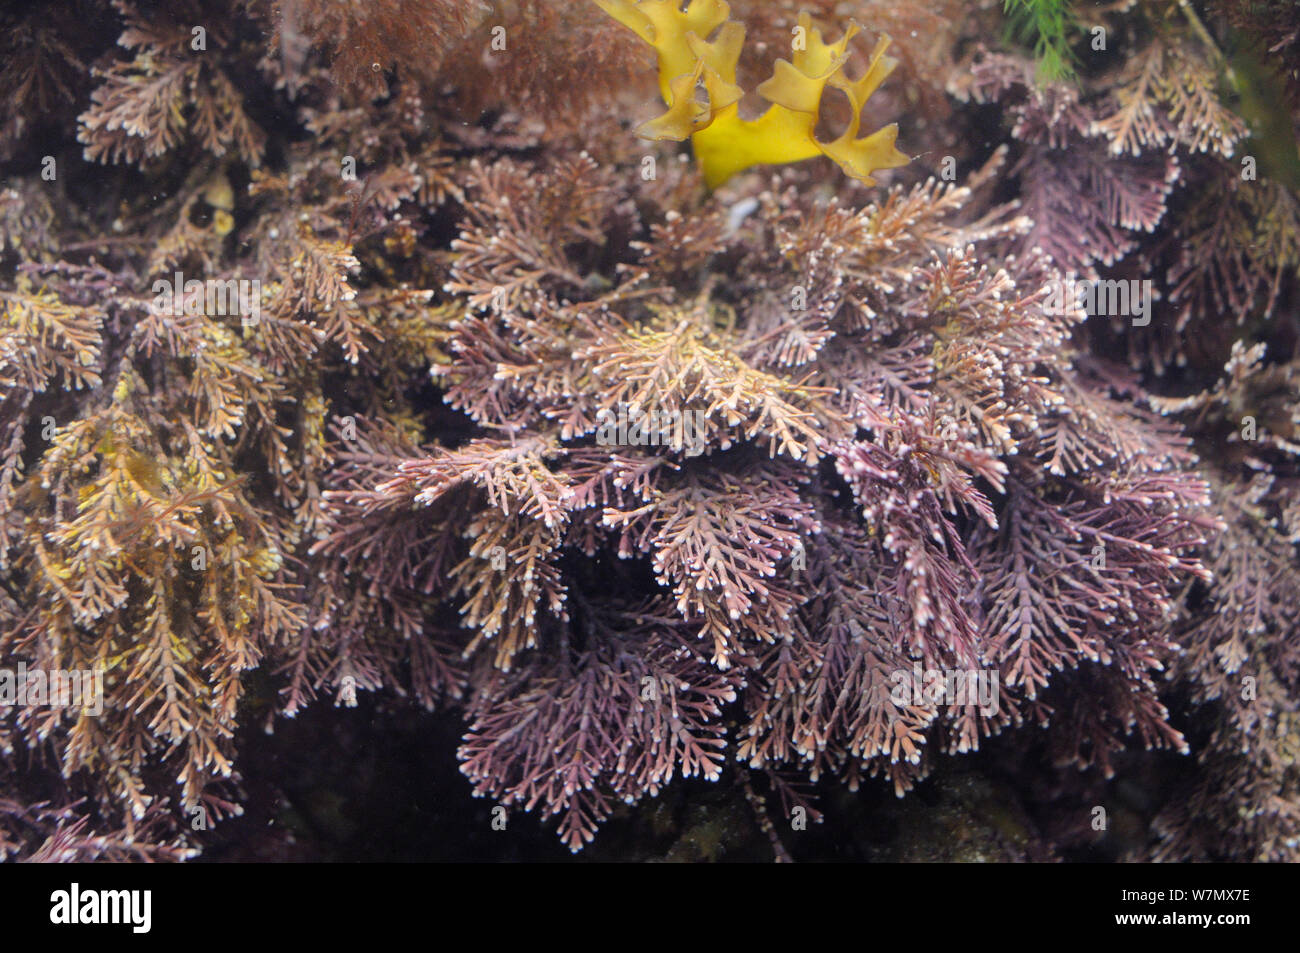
(803, 398)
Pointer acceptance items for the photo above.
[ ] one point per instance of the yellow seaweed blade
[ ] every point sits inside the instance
(794, 89)
(731, 144)
(627, 13)
(861, 157)
(860, 90)
(817, 57)
(723, 54)
(665, 27)
(684, 115)
(726, 144)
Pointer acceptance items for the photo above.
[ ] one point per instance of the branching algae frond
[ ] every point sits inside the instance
(725, 143)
